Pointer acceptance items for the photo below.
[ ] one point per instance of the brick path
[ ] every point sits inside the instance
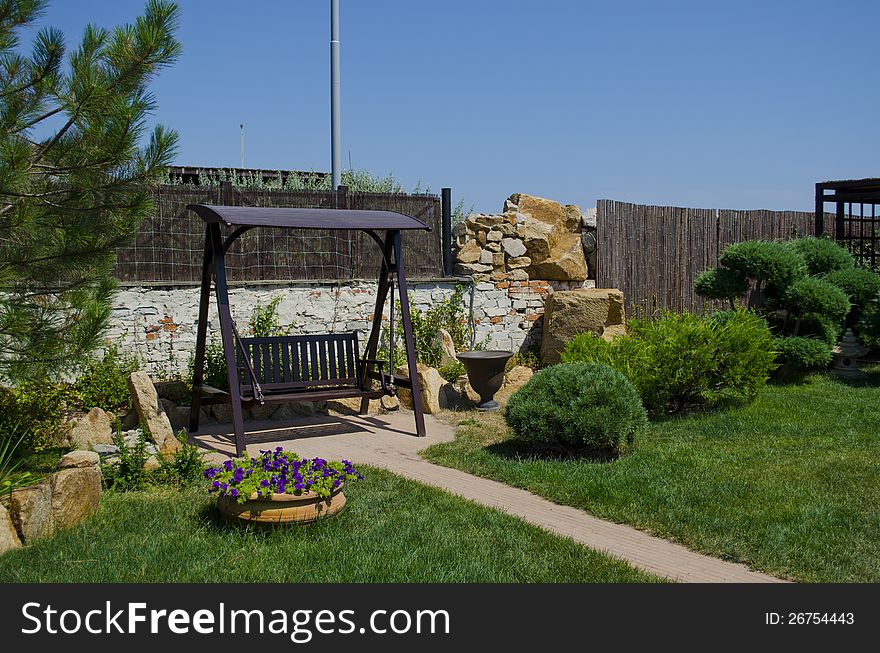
(386, 441)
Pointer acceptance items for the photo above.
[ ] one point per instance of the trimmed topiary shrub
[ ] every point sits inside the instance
(800, 355)
(869, 328)
(812, 296)
(682, 361)
(821, 255)
(722, 284)
(860, 285)
(578, 407)
(772, 265)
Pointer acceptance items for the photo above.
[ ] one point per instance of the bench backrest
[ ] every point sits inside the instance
(288, 362)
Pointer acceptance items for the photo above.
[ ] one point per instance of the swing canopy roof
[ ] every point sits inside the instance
(288, 218)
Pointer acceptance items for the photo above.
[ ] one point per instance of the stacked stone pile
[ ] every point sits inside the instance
(533, 238)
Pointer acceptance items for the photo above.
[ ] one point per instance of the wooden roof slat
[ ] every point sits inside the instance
(290, 218)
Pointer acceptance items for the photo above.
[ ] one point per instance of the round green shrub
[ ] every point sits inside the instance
(821, 255)
(861, 286)
(772, 264)
(814, 296)
(578, 406)
(803, 354)
(721, 283)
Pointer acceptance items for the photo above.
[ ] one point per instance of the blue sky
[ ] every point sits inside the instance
(731, 105)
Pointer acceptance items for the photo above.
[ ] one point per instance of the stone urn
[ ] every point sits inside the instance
(281, 509)
(485, 370)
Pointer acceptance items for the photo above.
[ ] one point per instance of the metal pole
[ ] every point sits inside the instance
(241, 126)
(446, 207)
(335, 130)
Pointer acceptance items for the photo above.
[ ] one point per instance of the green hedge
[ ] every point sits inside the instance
(682, 361)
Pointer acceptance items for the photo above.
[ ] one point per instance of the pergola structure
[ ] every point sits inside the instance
(856, 215)
(305, 367)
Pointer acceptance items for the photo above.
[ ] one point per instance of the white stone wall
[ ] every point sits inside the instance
(159, 324)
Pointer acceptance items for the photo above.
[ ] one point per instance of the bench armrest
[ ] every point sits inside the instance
(364, 362)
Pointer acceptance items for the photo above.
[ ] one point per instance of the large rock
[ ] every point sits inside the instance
(352, 406)
(76, 494)
(552, 239)
(31, 511)
(447, 347)
(566, 261)
(151, 412)
(95, 427)
(566, 218)
(517, 377)
(79, 458)
(8, 537)
(431, 384)
(570, 312)
(295, 410)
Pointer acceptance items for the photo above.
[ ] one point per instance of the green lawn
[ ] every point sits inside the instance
(392, 530)
(789, 484)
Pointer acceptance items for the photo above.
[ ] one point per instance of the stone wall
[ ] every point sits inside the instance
(536, 246)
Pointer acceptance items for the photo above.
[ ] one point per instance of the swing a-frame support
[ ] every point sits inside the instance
(314, 367)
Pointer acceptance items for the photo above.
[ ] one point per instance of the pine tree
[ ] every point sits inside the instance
(77, 163)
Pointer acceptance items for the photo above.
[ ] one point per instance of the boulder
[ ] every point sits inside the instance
(517, 377)
(565, 262)
(536, 238)
(8, 536)
(389, 403)
(296, 410)
(31, 511)
(447, 347)
(566, 218)
(151, 412)
(431, 384)
(570, 312)
(552, 238)
(95, 427)
(352, 406)
(76, 494)
(79, 458)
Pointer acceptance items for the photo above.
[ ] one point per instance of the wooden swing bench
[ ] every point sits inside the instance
(282, 369)
(317, 367)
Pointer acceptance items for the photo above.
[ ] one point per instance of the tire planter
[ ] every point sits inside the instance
(281, 509)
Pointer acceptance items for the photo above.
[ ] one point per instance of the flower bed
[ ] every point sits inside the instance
(279, 487)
